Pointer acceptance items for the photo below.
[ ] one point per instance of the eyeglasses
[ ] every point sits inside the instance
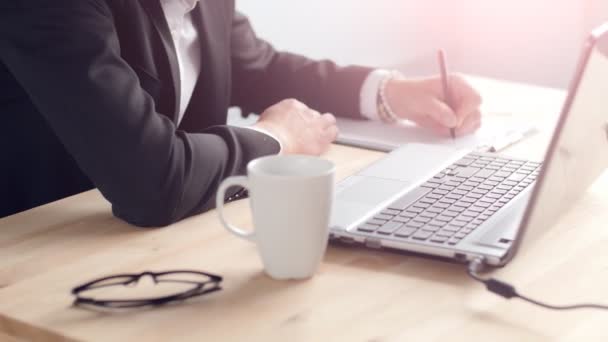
(109, 292)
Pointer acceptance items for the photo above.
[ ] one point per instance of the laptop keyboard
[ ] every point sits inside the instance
(456, 201)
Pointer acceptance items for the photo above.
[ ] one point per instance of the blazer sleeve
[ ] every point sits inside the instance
(66, 55)
(275, 76)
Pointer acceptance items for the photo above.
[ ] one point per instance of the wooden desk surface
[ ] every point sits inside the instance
(358, 295)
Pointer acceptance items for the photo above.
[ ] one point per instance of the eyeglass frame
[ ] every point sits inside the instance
(197, 290)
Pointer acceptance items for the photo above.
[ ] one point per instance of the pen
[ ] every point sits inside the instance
(447, 95)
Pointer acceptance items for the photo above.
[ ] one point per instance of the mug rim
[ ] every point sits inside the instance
(253, 166)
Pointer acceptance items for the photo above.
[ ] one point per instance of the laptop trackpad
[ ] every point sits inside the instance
(357, 195)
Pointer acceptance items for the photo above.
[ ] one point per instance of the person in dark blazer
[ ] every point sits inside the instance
(131, 97)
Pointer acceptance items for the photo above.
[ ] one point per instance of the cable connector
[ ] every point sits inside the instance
(501, 288)
(508, 291)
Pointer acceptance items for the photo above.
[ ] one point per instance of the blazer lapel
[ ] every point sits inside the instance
(209, 101)
(157, 17)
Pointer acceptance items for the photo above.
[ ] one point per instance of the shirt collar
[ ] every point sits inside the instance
(189, 4)
(184, 6)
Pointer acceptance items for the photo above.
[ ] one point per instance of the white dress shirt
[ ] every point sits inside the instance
(178, 14)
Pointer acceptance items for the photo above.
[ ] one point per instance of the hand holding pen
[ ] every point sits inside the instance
(446, 104)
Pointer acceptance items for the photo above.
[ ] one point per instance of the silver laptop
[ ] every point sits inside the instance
(465, 205)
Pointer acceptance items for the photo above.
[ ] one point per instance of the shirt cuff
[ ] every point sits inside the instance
(369, 93)
(263, 131)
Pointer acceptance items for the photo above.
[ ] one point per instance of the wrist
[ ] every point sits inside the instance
(387, 93)
(275, 132)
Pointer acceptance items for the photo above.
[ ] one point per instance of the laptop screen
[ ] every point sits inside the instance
(577, 153)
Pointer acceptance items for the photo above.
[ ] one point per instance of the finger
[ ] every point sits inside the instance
(441, 113)
(466, 98)
(295, 104)
(469, 126)
(473, 116)
(438, 129)
(330, 133)
(314, 114)
(328, 119)
(469, 129)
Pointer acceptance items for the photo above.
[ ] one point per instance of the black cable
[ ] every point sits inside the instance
(508, 291)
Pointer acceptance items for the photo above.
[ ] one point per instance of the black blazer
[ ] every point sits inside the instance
(89, 98)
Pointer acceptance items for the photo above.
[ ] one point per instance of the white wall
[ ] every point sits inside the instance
(536, 41)
(388, 32)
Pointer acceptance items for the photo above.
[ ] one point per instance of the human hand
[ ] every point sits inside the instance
(421, 101)
(300, 129)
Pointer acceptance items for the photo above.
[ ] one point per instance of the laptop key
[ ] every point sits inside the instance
(434, 210)
(516, 177)
(464, 218)
(367, 228)
(430, 228)
(443, 232)
(453, 196)
(389, 228)
(465, 161)
(430, 185)
(450, 213)
(453, 241)
(414, 224)
(383, 217)
(444, 218)
(409, 198)
(416, 210)
(408, 214)
(401, 219)
(457, 223)
(483, 204)
(422, 235)
(421, 205)
(421, 219)
(502, 173)
(452, 182)
(493, 195)
(439, 239)
(485, 173)
(447, 200)
(451, 228)
(389, 211)
(405, 232)
(428, 214)
(376, 222)
(445, 188)
(456, 209)
(462, 204)
(437, 223)
(469, 213)
(467, 172)
(428, 200)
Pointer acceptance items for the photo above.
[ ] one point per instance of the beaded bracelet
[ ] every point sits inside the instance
(385, 112)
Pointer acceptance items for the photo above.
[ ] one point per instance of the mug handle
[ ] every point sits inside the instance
(219, 205)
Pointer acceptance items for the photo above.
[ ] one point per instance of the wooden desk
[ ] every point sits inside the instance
(358, 295)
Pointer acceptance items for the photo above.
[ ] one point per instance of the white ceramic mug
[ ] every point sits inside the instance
(291, 198)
